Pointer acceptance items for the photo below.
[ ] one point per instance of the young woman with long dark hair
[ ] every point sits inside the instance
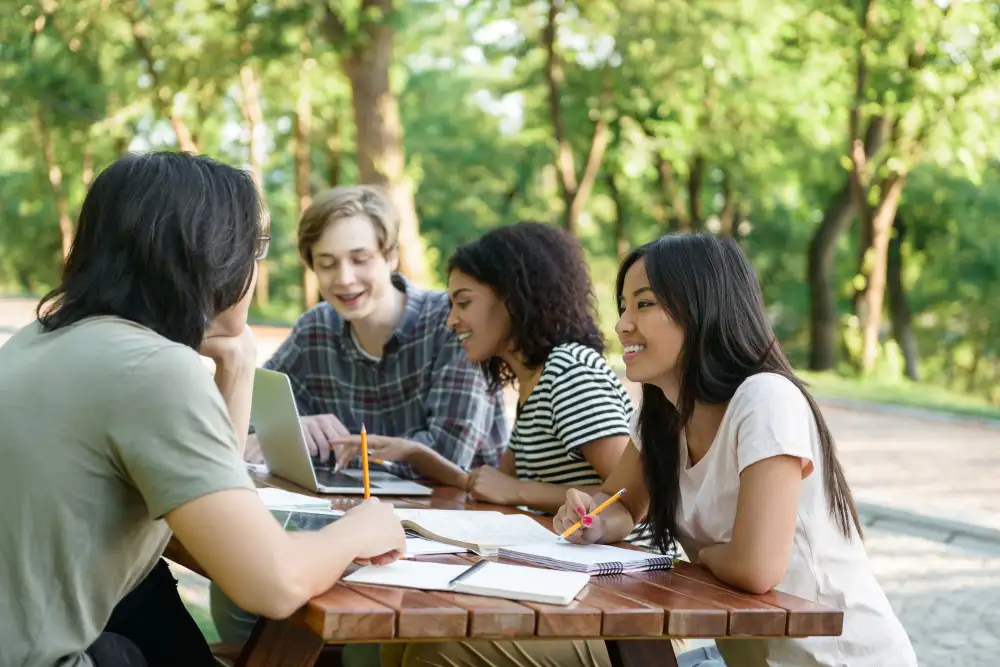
(731, 456)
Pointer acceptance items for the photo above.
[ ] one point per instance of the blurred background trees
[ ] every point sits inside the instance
(849, 146)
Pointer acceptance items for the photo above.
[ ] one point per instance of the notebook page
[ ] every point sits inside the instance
(514, 582)
(483, 528)
(418, 546)
(525, 583)
(409, 574)
(279, 498)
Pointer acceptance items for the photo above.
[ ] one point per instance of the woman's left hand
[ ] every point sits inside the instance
(491, 485)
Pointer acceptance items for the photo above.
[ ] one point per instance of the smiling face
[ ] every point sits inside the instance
(354, 276)
(478, 316)
(652, 339)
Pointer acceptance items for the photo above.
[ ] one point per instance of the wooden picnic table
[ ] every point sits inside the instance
(636, 614)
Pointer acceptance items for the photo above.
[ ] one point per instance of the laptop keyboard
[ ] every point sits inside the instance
(327, 477)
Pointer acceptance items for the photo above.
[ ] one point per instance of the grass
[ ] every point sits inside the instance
(902, 393)
(203, 618)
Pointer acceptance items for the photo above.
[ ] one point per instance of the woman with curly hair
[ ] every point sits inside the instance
(523, 306)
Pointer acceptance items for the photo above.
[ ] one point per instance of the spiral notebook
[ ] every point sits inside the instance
(588, 558)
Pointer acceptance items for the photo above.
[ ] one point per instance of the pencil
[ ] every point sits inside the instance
(364, 461)
(600, 508)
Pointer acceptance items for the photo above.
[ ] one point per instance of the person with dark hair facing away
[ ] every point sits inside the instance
(138, 440)
(731, 456)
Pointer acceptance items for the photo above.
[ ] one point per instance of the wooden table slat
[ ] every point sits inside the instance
(573, 620)
(805, 618)
(488, 616)
(622, 616)
(344, 614)
(419, 614)
(684, 616)
(747, 617)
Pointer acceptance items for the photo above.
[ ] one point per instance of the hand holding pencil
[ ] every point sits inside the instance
(579, 519)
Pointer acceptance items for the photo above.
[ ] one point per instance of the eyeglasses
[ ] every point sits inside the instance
(263, 243)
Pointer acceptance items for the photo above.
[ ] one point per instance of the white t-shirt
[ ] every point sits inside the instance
(768, 416)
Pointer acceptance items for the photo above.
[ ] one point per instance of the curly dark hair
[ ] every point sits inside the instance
(540, 274)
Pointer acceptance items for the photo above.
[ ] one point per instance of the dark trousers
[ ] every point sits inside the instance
(150, 627)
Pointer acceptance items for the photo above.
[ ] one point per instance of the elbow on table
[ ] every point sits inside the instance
(759, 579)
(758, 584)
(279, 600)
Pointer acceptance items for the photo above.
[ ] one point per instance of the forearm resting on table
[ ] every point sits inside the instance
(431, 464)
(547, 497)
(737, 568)
(264, 569)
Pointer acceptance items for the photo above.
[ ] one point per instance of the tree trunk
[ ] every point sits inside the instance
(379, 131)
(730, 207)
(254, 117)
(899, 308)
(163, 98)
(185, 140)
(882, 220)
(822, 296)
(301, 127)
(334, 146)
(88, 165)
(56, 183)
(575, 189)
(697, 168)
(822, 255)
(675, 215)
(620, 231)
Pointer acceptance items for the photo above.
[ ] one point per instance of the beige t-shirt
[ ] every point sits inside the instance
(106, 427)
(768, 416)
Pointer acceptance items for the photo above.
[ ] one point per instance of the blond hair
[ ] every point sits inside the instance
(348, 201)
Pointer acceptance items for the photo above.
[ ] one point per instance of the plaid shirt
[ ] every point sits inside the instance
(423, 388)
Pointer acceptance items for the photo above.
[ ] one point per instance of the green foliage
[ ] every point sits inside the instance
(752, 95)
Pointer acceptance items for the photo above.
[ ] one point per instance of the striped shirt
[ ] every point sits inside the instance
(422, 388)
(578, 399)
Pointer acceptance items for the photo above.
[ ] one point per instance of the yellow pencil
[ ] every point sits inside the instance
(364, 461)
(600, 508)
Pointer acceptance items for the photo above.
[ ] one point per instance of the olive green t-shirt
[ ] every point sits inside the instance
(105, 427)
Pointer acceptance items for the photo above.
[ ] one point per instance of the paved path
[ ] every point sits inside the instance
(947, 594)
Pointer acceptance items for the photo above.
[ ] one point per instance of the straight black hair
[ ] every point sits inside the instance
(710, 289)
(167, 240)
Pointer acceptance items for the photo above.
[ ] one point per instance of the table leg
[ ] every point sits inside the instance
(641, 653)
(280, 644)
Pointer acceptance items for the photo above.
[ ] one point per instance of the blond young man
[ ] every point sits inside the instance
(378, 351)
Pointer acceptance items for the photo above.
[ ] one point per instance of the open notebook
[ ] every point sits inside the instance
(589, 558)
(482, 532)
(499, 580)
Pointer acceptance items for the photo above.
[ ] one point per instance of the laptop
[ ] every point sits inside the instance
(279, 432)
